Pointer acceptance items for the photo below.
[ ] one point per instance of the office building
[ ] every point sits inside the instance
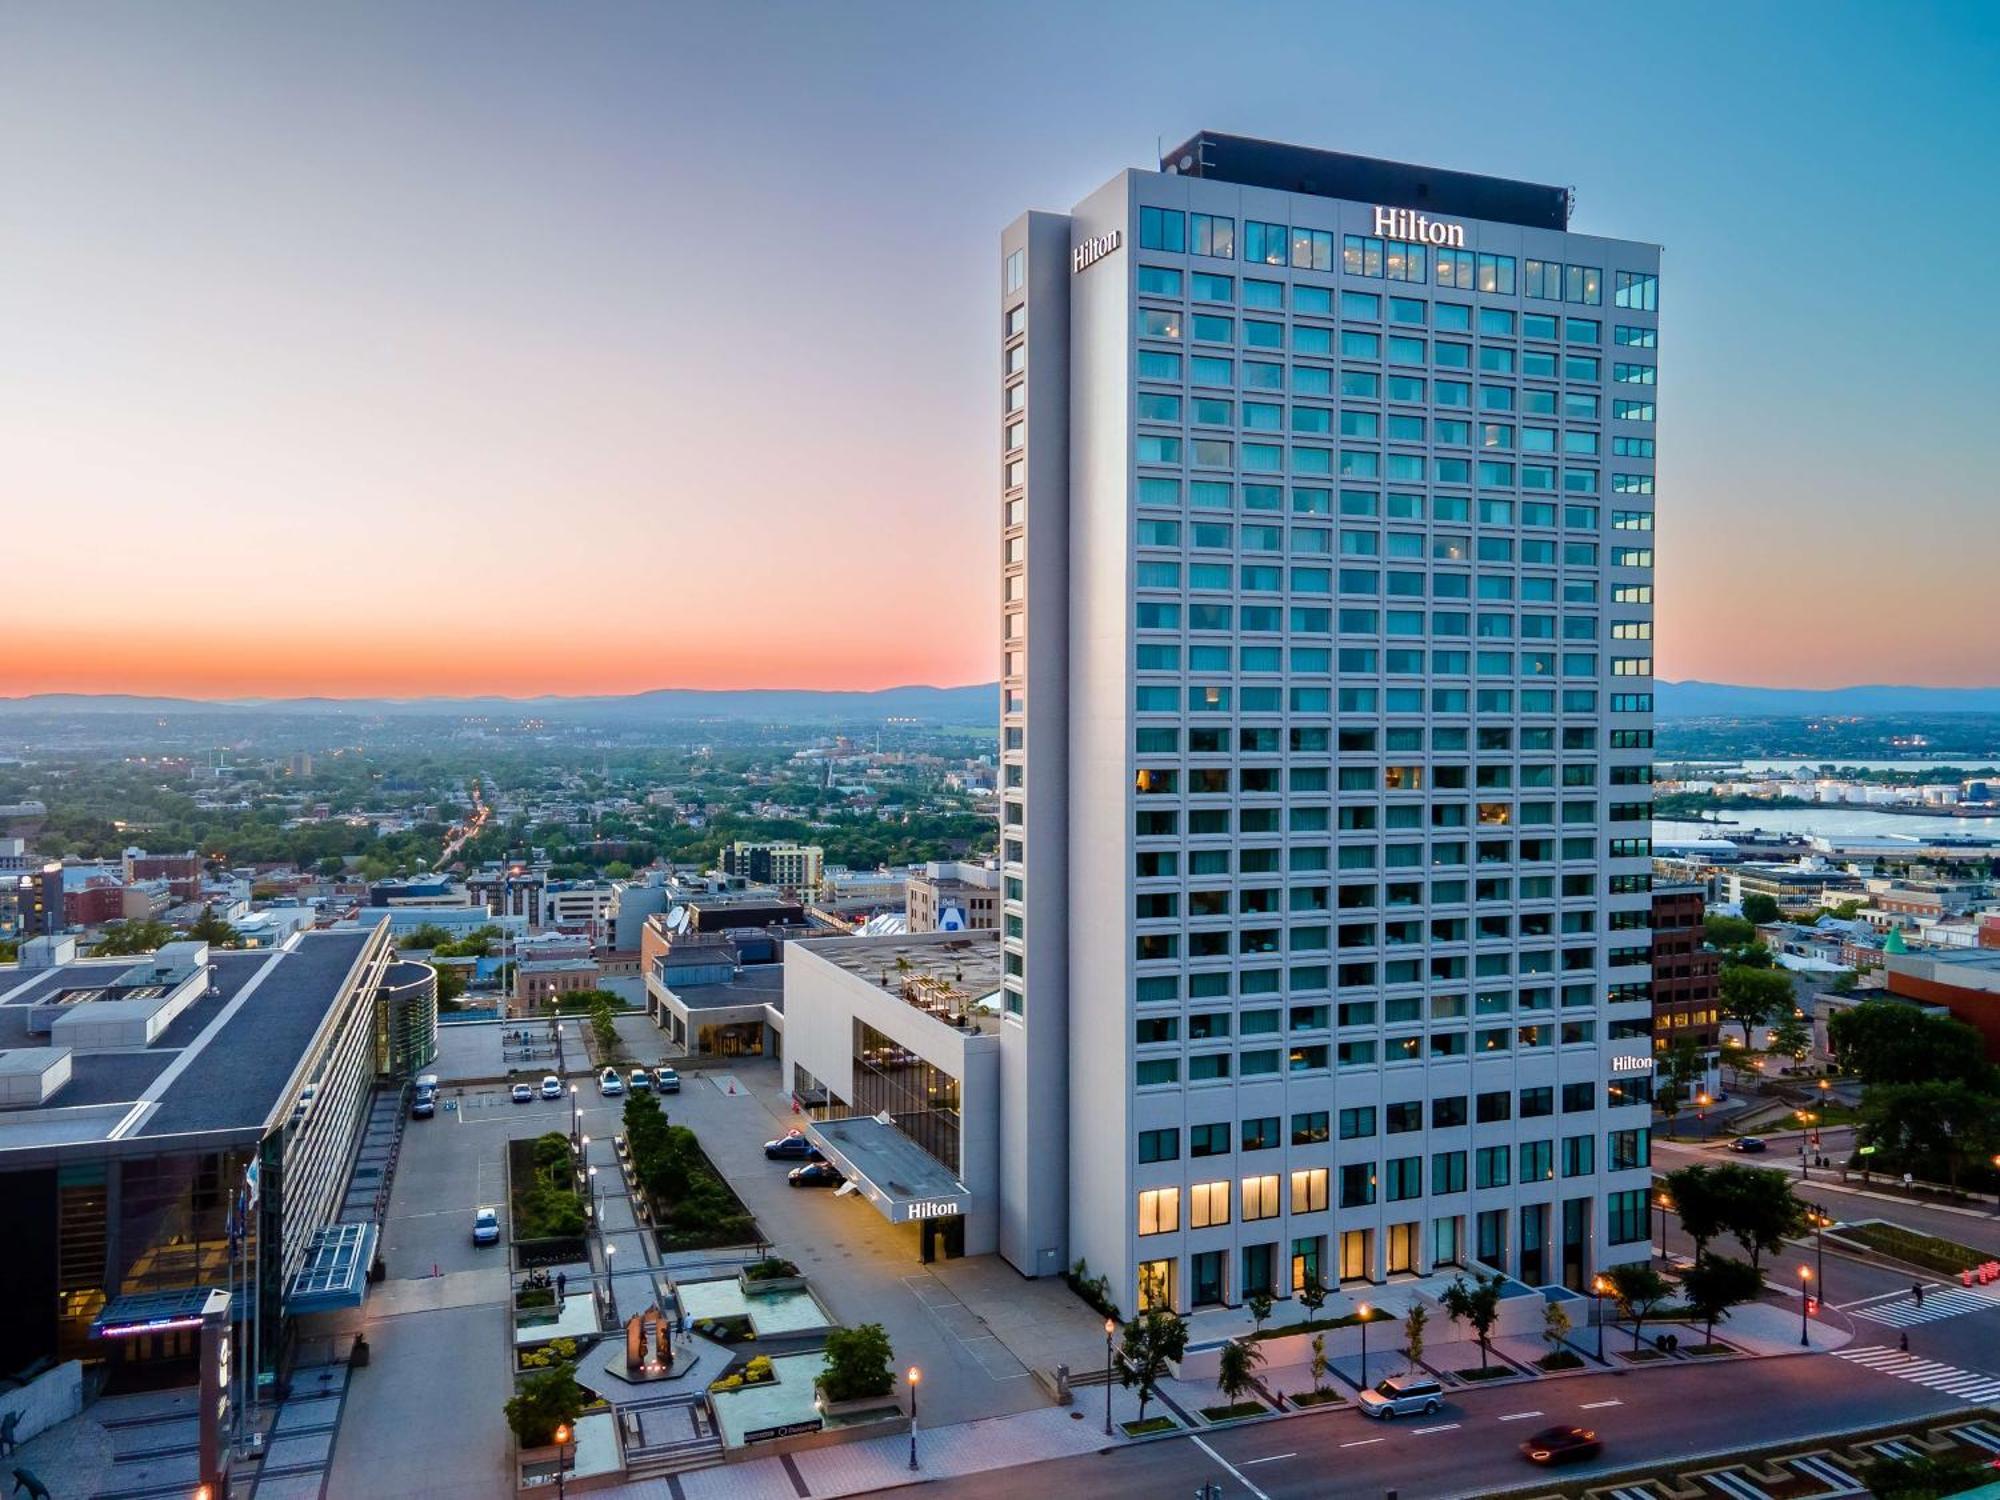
(947, 896)
(794, 869)
(1687, 973)
(1327, 499)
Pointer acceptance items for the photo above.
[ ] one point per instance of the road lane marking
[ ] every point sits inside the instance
(1440, 1427)
(1234, 1472)
(1360, 1442)
(1520, 1416)
(1269, 1458)
(1594, 1405)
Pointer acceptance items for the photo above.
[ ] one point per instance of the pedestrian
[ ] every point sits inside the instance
(1917, 1291)
(562, 1283)
(1903, 1342)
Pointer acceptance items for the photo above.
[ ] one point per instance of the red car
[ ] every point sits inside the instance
(1561, 1445)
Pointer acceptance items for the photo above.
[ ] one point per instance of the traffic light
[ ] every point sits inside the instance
(1812, 1307)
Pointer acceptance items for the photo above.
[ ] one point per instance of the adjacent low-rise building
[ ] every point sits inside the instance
(1687, 973)
(892, 1050)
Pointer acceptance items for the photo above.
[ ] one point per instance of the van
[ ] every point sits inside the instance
(1403, 1396)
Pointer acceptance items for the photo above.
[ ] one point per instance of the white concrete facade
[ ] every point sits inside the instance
(1326, 741)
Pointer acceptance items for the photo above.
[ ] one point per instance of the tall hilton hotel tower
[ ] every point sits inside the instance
(1327, 728)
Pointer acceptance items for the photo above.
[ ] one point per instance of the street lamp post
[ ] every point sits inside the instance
(1665, 1203)
(575, 1114)
(914, 1377)
(596, 1221)
(1110, 1327)
(1805, 1303)
(1701, 1104)
(1598, 1287)
(1365, 1314)
(563, 1435)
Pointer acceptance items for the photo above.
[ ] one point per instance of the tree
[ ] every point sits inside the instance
(1319, 1364)
(1259, 1304)
(1792, 1037)
(1891, 1041)
(1759, 1207)
(213, 930)
(1727, 932)
(1698, 1202)
(545, 1400)
(450, 983)
(1712, 1286)
(1921, 1476)
(1638, 1289)
(1414, 1323)
(1237, 1369)
(1760, 910)
(858, 1363)
(1151, 1343)
(1312, 1297)
(1556, 1326)
(1933, 1124)
(1750, 997)
(1477, 1305)
(122, 938)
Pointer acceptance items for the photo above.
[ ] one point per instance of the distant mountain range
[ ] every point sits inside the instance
(977, 703)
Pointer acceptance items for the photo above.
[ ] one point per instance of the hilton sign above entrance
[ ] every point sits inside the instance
(1403, 224)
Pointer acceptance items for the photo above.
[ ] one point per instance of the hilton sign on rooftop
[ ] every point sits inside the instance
(1404, 224)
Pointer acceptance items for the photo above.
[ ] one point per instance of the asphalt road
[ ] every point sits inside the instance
(1851, 1200)
(1679, 1413)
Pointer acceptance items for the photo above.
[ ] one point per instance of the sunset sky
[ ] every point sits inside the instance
(393, 349)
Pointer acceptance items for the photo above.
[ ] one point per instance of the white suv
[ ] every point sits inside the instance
(1403, 1396)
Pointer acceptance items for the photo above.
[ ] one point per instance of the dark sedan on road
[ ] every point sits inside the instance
(815, 1174)
(1749, 1145)
(1561, 1445)
(792, 1147)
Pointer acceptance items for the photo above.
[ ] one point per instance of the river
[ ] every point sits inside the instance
(1831, 820)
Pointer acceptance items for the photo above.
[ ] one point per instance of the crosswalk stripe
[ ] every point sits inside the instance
(1950, 1380)
(1940, 1302)
(1979, 1436)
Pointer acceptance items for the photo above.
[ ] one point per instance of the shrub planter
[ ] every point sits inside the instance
(854, 1405)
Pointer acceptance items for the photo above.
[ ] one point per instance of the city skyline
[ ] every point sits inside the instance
(447, 354)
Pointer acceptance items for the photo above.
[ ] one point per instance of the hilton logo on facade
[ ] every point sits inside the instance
(1402, 224)
(1092, 250)
(1631, 1065)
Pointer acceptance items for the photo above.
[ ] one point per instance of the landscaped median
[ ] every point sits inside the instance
(1912, 1248)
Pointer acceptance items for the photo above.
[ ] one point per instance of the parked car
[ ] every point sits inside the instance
(641, 1081)
(1561, 1445)
(666, 1080)
(610, 1085)
(815, 1174)
(486, 1226)
(423, 1104)
(1749, 1145)
(520, 1093)
(792, 1147)
(552, 1087)
(1403, 1396)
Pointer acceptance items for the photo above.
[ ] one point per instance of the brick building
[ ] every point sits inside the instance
(1687, 975)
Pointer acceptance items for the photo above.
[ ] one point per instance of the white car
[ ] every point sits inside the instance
(610, 1085)
(552, 1087)
(486, 1226)
(520, 1093)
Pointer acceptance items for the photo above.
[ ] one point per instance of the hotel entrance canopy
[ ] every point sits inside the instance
(904, 1181)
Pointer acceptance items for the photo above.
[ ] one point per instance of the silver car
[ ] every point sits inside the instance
(1403, 1396)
